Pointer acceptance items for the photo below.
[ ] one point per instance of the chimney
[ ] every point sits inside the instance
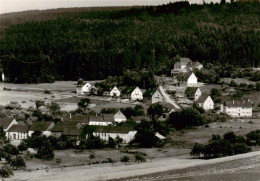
(233, 101)
(70, 115)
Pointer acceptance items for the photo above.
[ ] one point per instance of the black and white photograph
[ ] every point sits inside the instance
(129, 90)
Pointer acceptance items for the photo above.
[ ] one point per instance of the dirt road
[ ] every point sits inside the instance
(158, 169)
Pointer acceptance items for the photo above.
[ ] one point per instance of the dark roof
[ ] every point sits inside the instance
(184, 76)
(138, 118)
(18, 128)
(108, 117)
(202, 98)
(240, 103)
(62, 125)
(5, 122)
(32, 118)
(149, 92)
(193, 65)
(128, 90)
(114, 129)
(95, 118)
(71, 131)
(184, 61)
(80, 118)
(21, 123)
(40, 125)
(191, 90)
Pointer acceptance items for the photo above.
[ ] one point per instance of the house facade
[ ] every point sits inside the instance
(192, 80)
(17, 132)
(119, 117)
(185, 65)
(187, 79)
(43, 126)
(132, 93)
(238, 108)
(205, 102)
(115, 92)
(157, 97)
(104, 120)
(127, 134)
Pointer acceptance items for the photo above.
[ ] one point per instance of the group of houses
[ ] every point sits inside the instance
(131, 93)
(71, 126)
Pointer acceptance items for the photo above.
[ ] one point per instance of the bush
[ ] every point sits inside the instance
(6, 171)
(8, 148)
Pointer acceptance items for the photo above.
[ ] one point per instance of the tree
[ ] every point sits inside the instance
(257, 86)
(124, 159)
(23, 146)
(6, 171)
(45, 152)
(197, 149)
(18, 162)
(54, 109)
(215, 93)
(39, 103)
(83, 103)
(155, 110)
(139, 158)
(58, 161)
(91, 156)
(80, 82)
(118, 141)
(11, 149)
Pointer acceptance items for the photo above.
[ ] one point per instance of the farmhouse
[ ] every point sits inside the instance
(104, 132)
(205, 102)
(68, 128)
(193, 93)
(104, 120)
(42, 126)
(185, 65)
(189, 79)
(115, 92)
(17, 132)
(6, 123)
(82, 119)
(242, 108)
(119, 117)
(132, 93)
(85, 89)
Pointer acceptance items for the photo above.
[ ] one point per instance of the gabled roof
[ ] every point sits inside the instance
(32, 118)
(191, 90)
(128, 90)
(80, 118)
(241, 103)
(193, 65)
(18, 128)
(83, 84)
(113, 87)
(61, 126)
(149, 92)
(40, 125)
(184, 61)
(114, 129)
(21, 123)
(120, 115)
(108, 118)
(184, 76)
(71, 131)
(95, 118)
(5, 122)
(203, 98)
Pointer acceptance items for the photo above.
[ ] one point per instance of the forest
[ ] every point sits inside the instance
(101, 43)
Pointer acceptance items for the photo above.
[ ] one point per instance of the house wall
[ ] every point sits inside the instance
(238, 111)
(157, 97)
(197, 95)
(192, 80)
(208, 104)
(120, 118)
(84, 89)
(136, 95)
(127, 137)
(99, 123)
(16, 135)
(115, 92)
(46, 133)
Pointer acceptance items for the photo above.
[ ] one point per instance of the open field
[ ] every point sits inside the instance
(158, 169)
(202, 134)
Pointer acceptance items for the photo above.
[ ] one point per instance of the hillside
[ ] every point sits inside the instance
(95, 44)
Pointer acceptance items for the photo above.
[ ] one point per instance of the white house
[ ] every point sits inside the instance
(104, 132)
(157, 97)
(17, 132)
(205, 102)
(115, 92)
(193, 93)
(7, 123)
(189, 79)
(241, 108)
(43, 126)
(119, 117)
(85, 89)
(133, 93)
(104, 120)
(185, 65)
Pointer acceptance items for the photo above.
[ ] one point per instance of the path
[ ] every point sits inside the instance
(167, 97)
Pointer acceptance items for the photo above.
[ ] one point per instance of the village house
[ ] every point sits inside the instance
(71, 129)
(17, 132)
(43, 126)
(104, 132)
(85, 89)
(6, 123)
(188, 79)
(157, 97)
(132, 93)
(205, 102)
(104, 120)
(193, 93)
(242, 108)
(119, 117)
(185, 65)
(115, 92)
(30, 120)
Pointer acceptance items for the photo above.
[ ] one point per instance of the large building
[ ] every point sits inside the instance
(242, 108)
(185, 65)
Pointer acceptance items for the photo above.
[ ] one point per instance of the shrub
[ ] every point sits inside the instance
(6, 171)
